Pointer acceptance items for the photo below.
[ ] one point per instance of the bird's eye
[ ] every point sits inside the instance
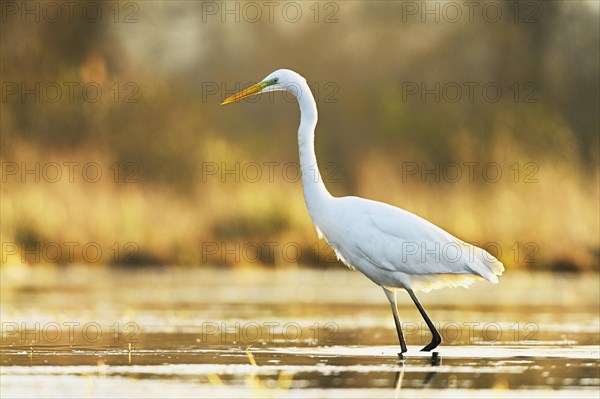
(275, 80)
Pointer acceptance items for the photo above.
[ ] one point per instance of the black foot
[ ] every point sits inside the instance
(435, 341)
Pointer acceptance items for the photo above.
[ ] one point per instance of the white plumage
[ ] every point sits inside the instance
(398, 249)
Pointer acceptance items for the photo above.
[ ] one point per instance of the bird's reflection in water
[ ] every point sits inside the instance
(433, 361)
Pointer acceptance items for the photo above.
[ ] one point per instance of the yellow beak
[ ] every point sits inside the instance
(257, 88)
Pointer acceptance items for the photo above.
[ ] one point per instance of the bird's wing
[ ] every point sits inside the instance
(393, 239)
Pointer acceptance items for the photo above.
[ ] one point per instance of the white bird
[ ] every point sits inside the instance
(394, 248)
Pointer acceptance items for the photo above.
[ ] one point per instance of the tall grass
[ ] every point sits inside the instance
(549, 220)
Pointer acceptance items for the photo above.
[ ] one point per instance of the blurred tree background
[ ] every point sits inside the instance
(421, 105)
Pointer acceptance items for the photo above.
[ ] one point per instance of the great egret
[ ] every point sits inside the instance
(392, 247)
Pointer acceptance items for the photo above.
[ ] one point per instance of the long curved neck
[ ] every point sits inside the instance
(315, 193)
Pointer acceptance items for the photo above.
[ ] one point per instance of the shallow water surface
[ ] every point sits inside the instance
(178, 332)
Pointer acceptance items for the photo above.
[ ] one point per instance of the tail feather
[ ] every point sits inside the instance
(484, 264)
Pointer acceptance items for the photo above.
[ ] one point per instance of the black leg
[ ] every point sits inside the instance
(436, 338)
(391, 295)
